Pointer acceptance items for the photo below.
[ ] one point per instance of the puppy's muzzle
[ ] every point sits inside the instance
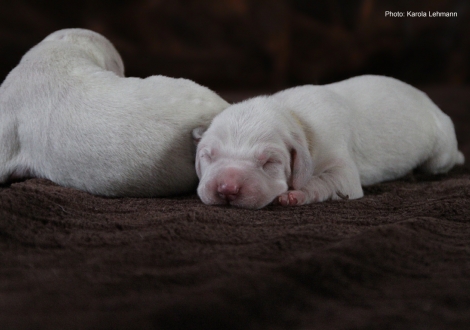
(228, 190)
(229, 184)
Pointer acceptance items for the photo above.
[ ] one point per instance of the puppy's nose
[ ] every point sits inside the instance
(228, 191)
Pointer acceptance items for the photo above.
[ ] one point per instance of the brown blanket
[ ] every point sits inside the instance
(399, 258)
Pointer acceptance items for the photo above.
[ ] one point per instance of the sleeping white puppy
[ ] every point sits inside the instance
(68, 114)
(313, 143)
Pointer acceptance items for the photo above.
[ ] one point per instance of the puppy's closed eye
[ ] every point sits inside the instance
(206, 155)
(204, 158)
(269, 162)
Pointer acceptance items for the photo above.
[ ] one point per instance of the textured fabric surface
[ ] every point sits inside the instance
(399, 258)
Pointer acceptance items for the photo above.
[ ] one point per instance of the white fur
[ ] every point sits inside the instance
(313, 143)
(68, 114)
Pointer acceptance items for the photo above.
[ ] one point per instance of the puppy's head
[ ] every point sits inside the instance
(100, 48)
(251, 153)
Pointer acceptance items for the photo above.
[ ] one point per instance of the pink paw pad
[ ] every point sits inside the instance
(291, 198)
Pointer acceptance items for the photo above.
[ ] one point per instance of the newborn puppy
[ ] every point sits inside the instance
(68, 114)
(313, 143)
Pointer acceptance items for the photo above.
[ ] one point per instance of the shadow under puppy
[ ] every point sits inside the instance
(314, 143)
(68, 114)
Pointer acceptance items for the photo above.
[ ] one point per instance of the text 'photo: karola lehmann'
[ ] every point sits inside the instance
(429, 14)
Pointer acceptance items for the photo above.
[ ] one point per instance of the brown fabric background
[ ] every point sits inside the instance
(398, 258)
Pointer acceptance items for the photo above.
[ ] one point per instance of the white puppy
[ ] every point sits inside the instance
(68, 114)
(313, 143)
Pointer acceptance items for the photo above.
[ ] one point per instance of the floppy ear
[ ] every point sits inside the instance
(301, 162)
(197, 134)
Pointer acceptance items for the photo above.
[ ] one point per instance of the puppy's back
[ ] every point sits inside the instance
(402, 126)
(68, 114)
(389, 126)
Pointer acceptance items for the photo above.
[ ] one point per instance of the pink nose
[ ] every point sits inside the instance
(228, 191)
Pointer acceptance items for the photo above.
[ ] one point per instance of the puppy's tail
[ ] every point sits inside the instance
(460, 160)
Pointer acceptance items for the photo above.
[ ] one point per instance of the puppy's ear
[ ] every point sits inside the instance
(197, 134)
(301, 163)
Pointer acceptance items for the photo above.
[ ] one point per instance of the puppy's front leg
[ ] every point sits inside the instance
(339, 181)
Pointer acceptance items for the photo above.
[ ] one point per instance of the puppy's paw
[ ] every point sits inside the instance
(291, 198)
